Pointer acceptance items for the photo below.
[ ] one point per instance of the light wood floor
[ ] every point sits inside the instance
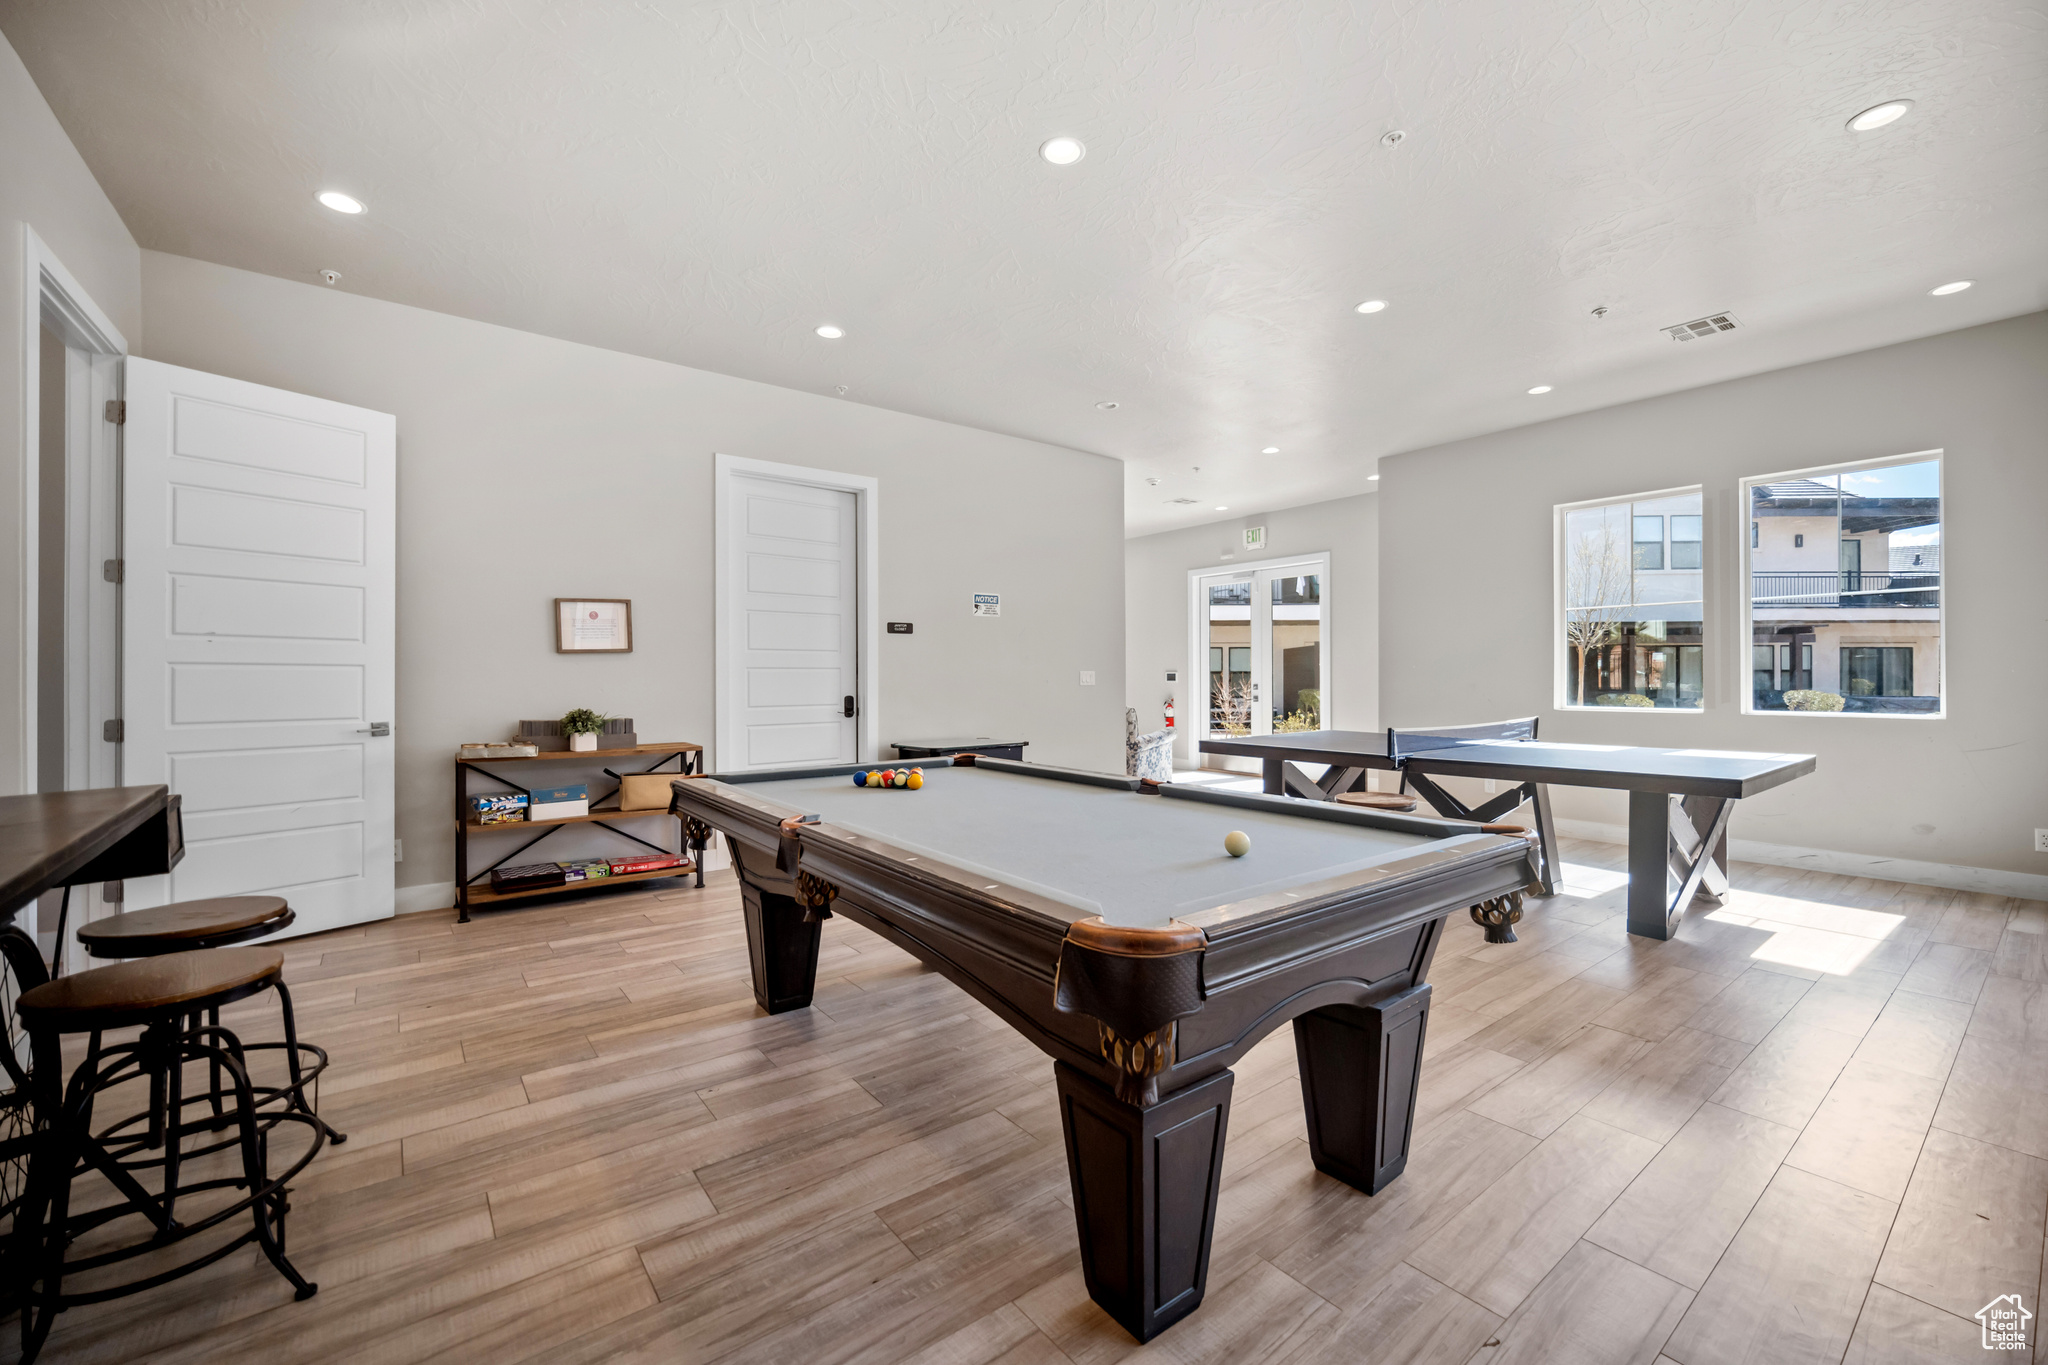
(1812, 1128)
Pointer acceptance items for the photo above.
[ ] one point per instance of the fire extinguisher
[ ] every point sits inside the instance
(1169, 713)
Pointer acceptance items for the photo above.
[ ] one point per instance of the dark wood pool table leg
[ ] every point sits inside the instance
(782, 948)
(1359, 1066)
(1145, 1184)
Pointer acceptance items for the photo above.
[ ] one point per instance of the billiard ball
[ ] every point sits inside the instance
(916, 779)
(860, 779)
(1237, 843)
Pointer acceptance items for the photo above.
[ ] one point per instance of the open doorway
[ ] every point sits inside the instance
(70, 726)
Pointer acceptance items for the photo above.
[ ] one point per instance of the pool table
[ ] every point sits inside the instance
(1102, 919)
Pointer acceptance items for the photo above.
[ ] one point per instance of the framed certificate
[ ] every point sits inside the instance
(593, 625)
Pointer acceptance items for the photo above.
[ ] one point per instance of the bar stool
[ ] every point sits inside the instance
(183, 926)
(161, 995)
(1394, 801)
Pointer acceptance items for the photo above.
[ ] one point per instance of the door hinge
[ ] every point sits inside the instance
(117, 411)
(114, 570)
(114, 732)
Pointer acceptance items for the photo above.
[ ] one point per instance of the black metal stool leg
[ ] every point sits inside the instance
(213, 1072)
(174, 1110)
(291, 1052)
(256, 1165)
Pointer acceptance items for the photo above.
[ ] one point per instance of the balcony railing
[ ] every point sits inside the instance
(1845, 589)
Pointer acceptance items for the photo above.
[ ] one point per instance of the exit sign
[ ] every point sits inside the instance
(1255, 537)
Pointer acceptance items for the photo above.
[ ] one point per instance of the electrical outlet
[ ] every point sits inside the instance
(1087, 678)
(2041, 841)
(398, 850)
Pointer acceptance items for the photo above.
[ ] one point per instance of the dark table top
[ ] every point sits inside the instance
(947, 746)
(1347, 748)
(1688, 772)
(46, 838)
(1135, 859)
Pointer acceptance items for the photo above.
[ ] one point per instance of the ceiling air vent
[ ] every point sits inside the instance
(1182, 502)
(1702, 327)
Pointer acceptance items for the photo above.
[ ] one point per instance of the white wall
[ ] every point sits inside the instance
(44, 185)
(1466, 592)
(531, 468)
(1156, 606)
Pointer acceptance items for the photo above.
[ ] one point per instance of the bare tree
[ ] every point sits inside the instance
(1599, 593)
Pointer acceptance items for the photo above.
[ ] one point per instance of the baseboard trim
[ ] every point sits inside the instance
(413, 900)
(1992, 881)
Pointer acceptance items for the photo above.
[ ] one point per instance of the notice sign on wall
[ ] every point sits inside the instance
(988, 604)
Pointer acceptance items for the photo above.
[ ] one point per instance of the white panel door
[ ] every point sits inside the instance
(257, 636)
(790, 581)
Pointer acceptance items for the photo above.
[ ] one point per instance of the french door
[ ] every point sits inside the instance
(1262, 659)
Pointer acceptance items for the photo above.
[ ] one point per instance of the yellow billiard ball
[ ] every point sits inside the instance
(914, 781)
(1237, 843)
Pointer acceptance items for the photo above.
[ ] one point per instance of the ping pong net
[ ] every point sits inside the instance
(1403, 744)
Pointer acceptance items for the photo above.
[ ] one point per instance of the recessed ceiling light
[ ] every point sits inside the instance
(1270, 450)
(1063, 151)
(339, 202)
(1541, 388)
(1223, 509)
(1953, 287)
(1372, 478)
(1878, 115)
(831, 333)
(1372, 305)
(1109, 406)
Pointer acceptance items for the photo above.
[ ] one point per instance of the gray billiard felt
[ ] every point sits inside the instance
(1133, 859)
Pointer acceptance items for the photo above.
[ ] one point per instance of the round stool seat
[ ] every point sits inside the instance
(185, 924)
(138, 992)
(1378, 800)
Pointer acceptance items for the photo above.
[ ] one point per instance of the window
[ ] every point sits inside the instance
(1649, 542)
(1877, 671)
(1685, 542)
(1631, 584)
(1858, 630)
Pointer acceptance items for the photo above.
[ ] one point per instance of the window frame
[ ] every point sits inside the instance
(1559, 575)
(1746, 628)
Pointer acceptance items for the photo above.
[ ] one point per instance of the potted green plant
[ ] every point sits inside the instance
(583, 726)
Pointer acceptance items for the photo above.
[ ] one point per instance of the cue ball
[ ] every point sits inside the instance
(1237, 843)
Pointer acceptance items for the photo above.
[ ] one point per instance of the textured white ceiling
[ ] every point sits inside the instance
(706, 182)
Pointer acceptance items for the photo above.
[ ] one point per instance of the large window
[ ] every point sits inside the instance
(1844, 599)
(1631, 585)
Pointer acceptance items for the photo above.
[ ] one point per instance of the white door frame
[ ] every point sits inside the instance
(1198, 663)
(866, 491)
(51, 296)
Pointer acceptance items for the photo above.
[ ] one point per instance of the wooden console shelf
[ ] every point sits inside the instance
(688, 759)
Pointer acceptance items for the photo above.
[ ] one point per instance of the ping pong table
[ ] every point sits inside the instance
(1679, 800)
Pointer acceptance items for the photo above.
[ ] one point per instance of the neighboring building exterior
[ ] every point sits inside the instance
(1835, 605)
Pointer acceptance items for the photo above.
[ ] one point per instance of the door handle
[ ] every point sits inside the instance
(378, 729)
(846, 707)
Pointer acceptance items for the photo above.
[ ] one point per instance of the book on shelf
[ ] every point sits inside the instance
(646, 862)
(557, 803)
(498, 808)
(530, 877)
